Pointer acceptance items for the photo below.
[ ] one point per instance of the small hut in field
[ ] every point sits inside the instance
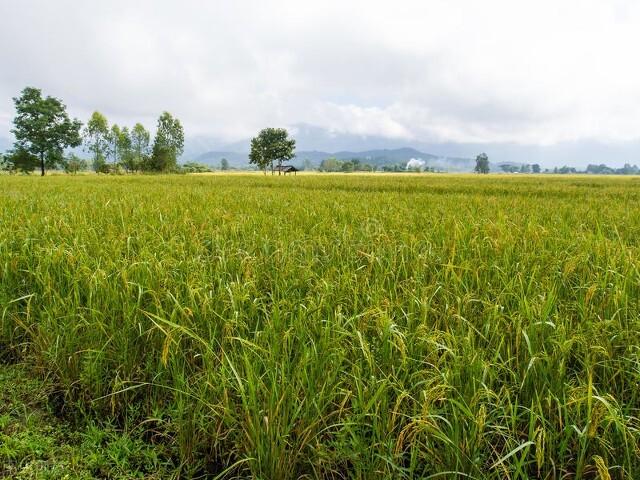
(284, 169)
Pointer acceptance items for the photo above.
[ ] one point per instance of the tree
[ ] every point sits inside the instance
(127, 157)
(628, 169)
(195, 167)
(43, 128)
(525, 168)
(347, 166)
(168, 144)
(140, 140)
(535, 168)
(271, 144)
(258, 155)
(114, 144)
(331, 164)
(482, 163)
(74, 164)
(96, 139)
(119, 145)
(224, 164)
(5, 165)
(21, 160)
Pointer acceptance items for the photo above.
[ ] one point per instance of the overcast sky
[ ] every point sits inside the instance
(521, 72)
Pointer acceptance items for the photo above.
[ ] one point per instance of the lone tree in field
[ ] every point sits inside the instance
(482, 163)
(168, 144)
(43, 128)
(271, 145)
(96, 139)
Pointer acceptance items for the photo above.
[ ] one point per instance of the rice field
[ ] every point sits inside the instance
(337, 326)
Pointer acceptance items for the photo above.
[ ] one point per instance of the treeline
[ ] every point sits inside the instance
(601, 169)
(43, 131)
(592, 169)
(525, 168)
(116, 148)
(196, 167)
(332, 164)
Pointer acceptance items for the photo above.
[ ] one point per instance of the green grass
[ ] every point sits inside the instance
(331, 326)
(36, 445)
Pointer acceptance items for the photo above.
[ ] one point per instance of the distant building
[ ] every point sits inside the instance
(286, 169)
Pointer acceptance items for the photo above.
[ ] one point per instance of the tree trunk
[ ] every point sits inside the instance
(41, 164)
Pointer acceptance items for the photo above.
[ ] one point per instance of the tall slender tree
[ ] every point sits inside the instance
(140, 141)
(114, 144)
(124, 148)
(43, 128)
(96, 139)
(124, 142)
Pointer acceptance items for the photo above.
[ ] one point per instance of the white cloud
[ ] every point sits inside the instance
(494, 71)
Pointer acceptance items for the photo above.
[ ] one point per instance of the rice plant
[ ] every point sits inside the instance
(328, 326)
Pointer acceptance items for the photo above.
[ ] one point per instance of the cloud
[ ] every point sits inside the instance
(535, 73)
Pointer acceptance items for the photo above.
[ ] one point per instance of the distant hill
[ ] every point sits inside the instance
(385, 156)
(377, 158)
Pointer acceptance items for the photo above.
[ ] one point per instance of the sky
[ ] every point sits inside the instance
(515, 76)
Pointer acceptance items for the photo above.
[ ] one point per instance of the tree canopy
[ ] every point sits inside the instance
(140, 141)
(271, 145)
(96, 139)
(168, 144)
(130, 149)
(482, 163)
(21, 160)
(74, 164)
(43, 128)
